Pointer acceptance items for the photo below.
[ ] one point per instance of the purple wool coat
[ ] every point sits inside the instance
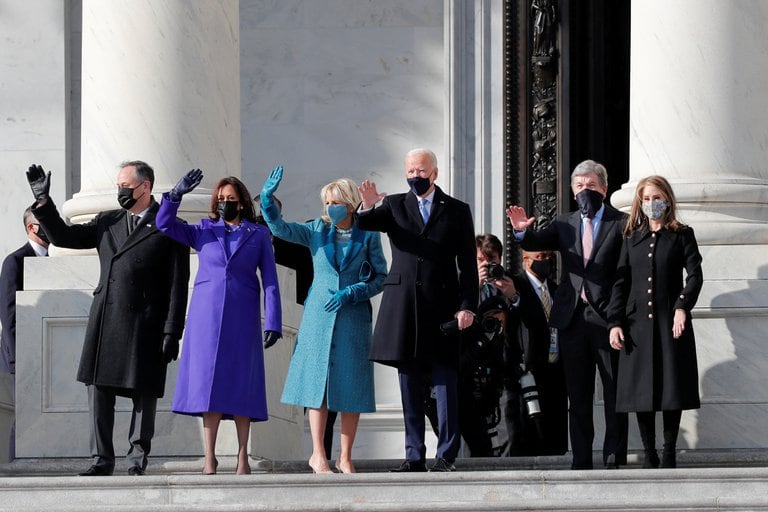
(222, 361)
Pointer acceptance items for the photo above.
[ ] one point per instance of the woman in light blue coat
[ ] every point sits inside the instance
(330, 367)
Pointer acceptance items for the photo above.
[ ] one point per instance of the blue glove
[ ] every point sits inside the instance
(270, 186)
(270, 338)
(187, 183)
(339, 298)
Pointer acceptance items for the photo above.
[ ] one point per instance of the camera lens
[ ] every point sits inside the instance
(495, 271)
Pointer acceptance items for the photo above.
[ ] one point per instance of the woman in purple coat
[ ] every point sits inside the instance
(221, 372)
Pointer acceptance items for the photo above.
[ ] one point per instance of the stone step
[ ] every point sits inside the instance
(510, 484)
(682, 489)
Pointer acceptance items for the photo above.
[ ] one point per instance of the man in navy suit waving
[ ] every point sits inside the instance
(432, 280)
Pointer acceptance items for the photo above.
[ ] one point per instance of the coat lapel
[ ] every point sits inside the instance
(145, 228)
(247, 230)
(119, 230)
(412, 207)
(575, 221)
(438, 207)
(329, 236)
(355, 244)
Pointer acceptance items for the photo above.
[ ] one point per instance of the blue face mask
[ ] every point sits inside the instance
(337, 212)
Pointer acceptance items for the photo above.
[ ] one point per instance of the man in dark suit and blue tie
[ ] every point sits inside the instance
(432, 280)
(11, 281)
(589, 241)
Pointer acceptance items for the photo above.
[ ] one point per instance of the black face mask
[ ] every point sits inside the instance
(589, 202)
(228, 210)
(542, 268)
(419, 185)
(41, 235)
(125, 197)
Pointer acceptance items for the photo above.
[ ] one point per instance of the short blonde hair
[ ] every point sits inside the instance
(343, 190)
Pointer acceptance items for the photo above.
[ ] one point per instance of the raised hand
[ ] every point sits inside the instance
(273, 181)
(270, 338)
(187, 183)
(369, 194)
(518, 218)
(39, 182)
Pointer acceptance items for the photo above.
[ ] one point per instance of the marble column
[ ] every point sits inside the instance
(160, 83)
(699, 116)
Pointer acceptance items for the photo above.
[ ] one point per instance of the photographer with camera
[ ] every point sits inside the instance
(493, 358)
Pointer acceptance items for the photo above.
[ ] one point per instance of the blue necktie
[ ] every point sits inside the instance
(424, 209)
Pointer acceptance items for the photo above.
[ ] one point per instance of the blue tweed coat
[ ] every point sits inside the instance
(330, 359)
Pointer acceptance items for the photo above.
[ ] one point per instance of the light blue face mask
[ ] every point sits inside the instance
(655, 209)
(337, 212)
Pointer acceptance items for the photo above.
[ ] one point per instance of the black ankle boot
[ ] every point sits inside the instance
(668, 457)
(671, 428)
(651, 460)
(646, 423)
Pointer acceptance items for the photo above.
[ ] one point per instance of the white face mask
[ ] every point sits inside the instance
(655, 209)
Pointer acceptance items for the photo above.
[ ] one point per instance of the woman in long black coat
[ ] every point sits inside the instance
(650, 317)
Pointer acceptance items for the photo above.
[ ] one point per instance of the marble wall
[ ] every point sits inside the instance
(33, 102)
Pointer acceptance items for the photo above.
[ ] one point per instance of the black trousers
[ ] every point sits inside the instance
(584, 348)
(101, 401)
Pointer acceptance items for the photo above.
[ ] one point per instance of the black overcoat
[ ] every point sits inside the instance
(564, 235)
(432, 276)
(141, 296)
(656, 371)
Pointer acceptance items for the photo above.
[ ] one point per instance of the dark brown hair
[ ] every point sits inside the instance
(489, 244)
(246, 202)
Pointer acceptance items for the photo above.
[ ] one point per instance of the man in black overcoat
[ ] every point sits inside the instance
(580, 304)
(138, 310)
(11, 281)
(432, 280)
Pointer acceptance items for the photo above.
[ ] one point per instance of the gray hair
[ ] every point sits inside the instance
(29, 218)
(591, 167)
(423, 151)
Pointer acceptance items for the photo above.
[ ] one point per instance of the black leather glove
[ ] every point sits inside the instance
(187, 183)
(170, 348)
(270, 338)
(39, 182)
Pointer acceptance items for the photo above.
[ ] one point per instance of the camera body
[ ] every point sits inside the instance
(495, 271)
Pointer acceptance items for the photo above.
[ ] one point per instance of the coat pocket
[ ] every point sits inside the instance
(366, 272)
(392, 279)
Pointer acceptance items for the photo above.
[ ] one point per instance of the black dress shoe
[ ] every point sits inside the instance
(135, 471)
(611, 462)
(442, 466)
(409, 466)
(96, 471)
